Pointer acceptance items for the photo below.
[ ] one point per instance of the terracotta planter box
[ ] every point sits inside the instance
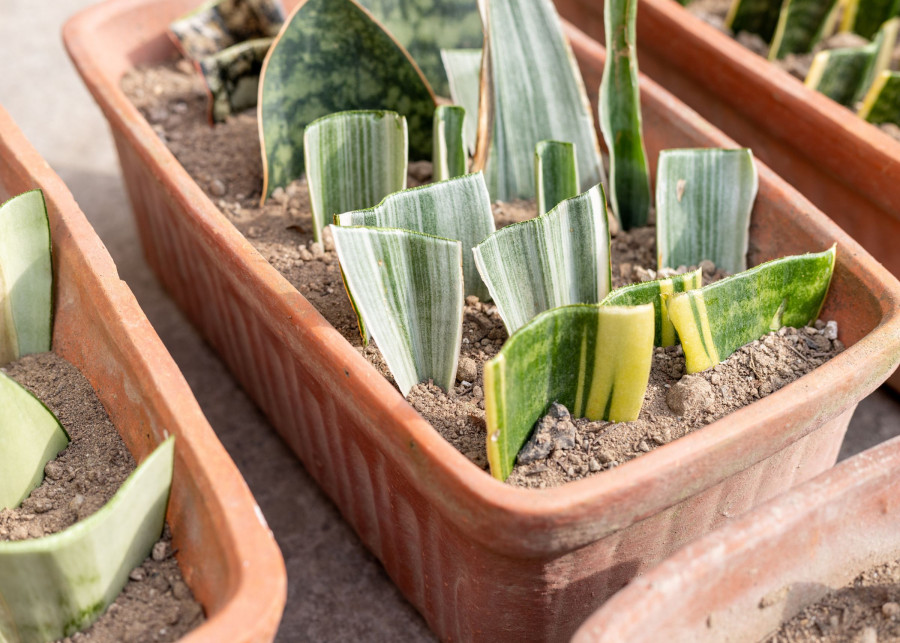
(481, 560)
(792, 551)
(225, 550)
(845, 166)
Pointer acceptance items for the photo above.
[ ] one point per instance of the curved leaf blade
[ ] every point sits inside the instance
(555, 173)
(801, 24)
(866, 17)
(882, 102)
(449, 156)
(219, 24)
(463, 68)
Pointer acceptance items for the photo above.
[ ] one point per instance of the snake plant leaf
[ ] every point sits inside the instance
(30, 436)
(425, 27)
(801, 24)
(593, 359)
(717, 319)
(353, 161)
(26, 277)
(219, 24)
(703, 203)
(754, 16)
(449, 157)
(332, 56)
(463, 68)
(531, 90)
(882, 102)
(232, 76)
(555, 173)
(866, 17)
(559, 258)
(457, 209)
(51, 587)
(620, 117)
(408, 287)
(650, 292)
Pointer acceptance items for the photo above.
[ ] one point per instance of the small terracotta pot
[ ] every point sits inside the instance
(481, 560)
(841, 163)
(790, 552)
(225, 550)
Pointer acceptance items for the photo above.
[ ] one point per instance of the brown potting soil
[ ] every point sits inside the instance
(867, 610)
(156, 604)
(225, 162)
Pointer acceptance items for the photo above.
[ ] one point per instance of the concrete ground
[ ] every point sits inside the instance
(337, 590)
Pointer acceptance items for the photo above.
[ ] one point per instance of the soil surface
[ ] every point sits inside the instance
(156, 604)
(866, 611)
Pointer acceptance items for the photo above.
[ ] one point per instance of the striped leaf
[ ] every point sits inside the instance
(703, 203)
(717, 319)
(463, 68)
(620, 117)
(882, 102)
(353, 161)
(332, 56)
(408, 288)
(754, 16)
(30, 436)
(26, 277)
(457, 209)
(650, 292)
(801, 24)
(219, 24)
(593, 359)
(425, 27)
(555, 173)
(526, 42)
(232, 76)
(449, 157)
(51, 587)
(559, 258)
(866, 17)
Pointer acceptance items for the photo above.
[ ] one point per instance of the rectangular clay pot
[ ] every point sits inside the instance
(481, 560)
(845, 166)
(225, 550)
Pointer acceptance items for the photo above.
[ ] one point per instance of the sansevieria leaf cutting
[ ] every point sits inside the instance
(232, 76)
(593, 359)
(716, 320)
(449, 158)
(865, 17)
(555, 173)
(219, 24)
(463, 67)
(754, 16)
(882, 102)
(801, 24)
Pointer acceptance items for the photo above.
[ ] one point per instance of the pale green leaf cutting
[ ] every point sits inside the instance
(219, 24)
(555, 173)
(408, 288)
(458, 209)
(26, 277)
(353, 161)
(232, 76)
(559, 258)
(801, 24)
(30, 436)
(449, 157)
(532, 90)
(866, 17)
(703, 202)
(332, 56)
(716, 320)
(593, 359)
(463, 67)
(650, 292)
(51, 587)
(754, 16)
(882, 102)
(620, 117)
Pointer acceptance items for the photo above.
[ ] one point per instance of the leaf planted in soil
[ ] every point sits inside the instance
(595, 360)
(801, 24)
(559, 258)
(866, 17)
(449, 157)
(555, 173)
(714, 321)
(219, 24)
(51, 587)
(754, 16)
(408, 288)
(882, 102)
(703, 202)
(232, 77)
(332, 56)
(463, 67)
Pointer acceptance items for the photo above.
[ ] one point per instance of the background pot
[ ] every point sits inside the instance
(841, 163)
(479, 559)
(225, 551)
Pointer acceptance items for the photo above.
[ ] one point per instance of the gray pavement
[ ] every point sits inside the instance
(337, 590)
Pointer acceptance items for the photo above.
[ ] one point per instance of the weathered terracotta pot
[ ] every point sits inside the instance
(792, 551)
(844, 165)
(225, 550)
(481, 560)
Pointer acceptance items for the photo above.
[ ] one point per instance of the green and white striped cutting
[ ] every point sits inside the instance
(559, 258)
(449, 157)
(801, 24)
(717, 319)
(703, 202)
(408, 288)
(882, 102)
(353, 161)
(593, 359)
(26, 277)
(555, 173)
(651, 292)
(463, 67)
(54, 586)
(457, 209)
